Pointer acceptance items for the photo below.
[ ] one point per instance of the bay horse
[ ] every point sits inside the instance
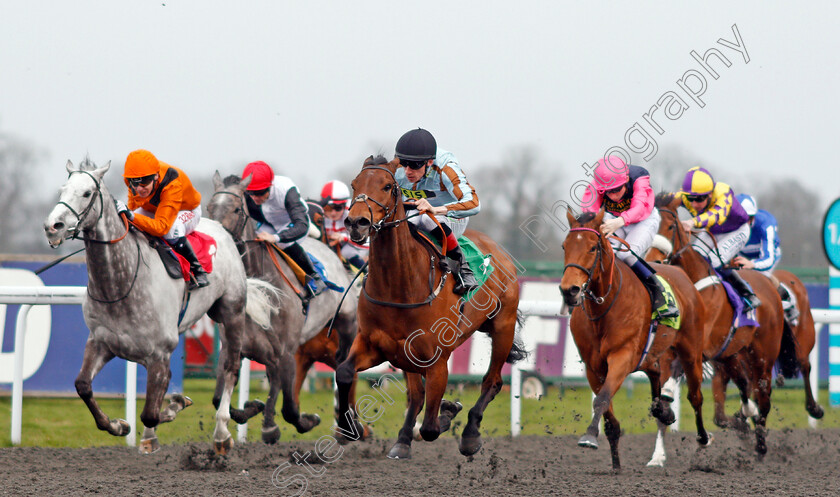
(611, 325)
(135, 311)
(760, 345)
(290, 326)
(409, 315)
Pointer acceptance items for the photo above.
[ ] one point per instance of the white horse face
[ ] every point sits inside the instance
(78, 204)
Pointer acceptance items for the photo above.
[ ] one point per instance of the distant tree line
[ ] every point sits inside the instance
(514, 192)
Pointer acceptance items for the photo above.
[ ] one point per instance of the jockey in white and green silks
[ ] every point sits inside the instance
(431, 180)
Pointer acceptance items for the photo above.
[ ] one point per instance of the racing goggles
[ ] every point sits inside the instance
(144, 181)
(697, 198)
(413, 164)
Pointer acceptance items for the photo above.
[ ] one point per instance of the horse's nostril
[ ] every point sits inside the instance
(57, 226)
(363, 222)
(574, 290)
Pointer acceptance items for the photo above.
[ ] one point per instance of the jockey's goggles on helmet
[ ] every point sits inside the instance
(613, 190)
(697, 198)
(256, 193)
(336, 206)
(144, 181)
(413, 164)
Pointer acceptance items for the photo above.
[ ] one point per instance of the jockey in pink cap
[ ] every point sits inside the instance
(627, 198)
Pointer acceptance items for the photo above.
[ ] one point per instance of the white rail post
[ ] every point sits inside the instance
(244, 392)
(131, 401)
(515, 400)
(17, 381)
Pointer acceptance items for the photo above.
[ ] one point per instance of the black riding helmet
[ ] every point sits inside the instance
(416, 145)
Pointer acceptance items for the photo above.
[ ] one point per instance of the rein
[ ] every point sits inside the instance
(588, 294)
(383, 224)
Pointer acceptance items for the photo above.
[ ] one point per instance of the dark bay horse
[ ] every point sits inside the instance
(408, 314)
(135, 311)
(290, 327)
(610, 324)
(760, 345)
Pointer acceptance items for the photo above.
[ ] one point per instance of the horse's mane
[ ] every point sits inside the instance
(231, 180)
(378, 160)
(585, 217)
(86, 164)
(663, 199)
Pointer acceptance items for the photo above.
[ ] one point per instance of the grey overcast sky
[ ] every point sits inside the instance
(311, 87)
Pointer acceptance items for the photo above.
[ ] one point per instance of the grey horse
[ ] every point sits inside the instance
(291, 328)
(135, 311)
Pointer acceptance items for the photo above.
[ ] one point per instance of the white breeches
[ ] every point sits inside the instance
(457, 225)
(638, 235)
(728, 244)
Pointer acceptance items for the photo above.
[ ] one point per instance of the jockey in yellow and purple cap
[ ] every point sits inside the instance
(625, 193)
(716, 211)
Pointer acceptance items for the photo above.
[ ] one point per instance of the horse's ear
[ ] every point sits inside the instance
(599, 217)
(217, 181)
(104, 169)
(570, 217)
(247, 181)
(69, 166)
(394, 164)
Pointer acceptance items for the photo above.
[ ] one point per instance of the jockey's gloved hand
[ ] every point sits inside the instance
(409, 206)
(122, 208)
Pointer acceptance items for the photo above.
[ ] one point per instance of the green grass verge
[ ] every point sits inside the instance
(66, 422)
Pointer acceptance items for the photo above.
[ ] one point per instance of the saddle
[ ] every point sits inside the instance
(178, 267)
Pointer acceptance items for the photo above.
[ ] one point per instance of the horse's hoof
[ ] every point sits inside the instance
(450, 409)
(658, 462)
(149, 446)
(429, 435)
(183, 400)
(309, 421)
(255, 404)
(816, 412)
(120, 428)
(367, 434)
(589, 441)
(709, 439)
(400, 451)
(469, 445)
(222, 448)
(271, 435)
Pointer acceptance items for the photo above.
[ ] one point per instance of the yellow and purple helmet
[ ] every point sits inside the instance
(698, 181)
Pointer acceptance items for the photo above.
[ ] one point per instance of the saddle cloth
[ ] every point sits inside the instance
(744, 316)
(301, 275)
(204, 247)
(671, 298)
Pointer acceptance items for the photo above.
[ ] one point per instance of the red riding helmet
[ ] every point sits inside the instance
(262, 175)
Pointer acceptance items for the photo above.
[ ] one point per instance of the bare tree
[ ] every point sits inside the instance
(21, 200)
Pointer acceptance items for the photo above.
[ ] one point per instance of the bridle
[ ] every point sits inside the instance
(390, 212)
(80, 216)
(675, 236)
(242, 216)
(599, 260)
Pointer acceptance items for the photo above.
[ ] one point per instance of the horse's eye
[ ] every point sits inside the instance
(387, 188)
(87, 194)
(592, 250)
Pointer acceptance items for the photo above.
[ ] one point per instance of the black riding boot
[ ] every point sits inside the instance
(183, 247)
(791, 312)
(742, 287)
(661, 305)
(298, 255)
(464, 278)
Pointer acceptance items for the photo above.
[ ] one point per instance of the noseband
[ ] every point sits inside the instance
(389, 211)
(587, 293)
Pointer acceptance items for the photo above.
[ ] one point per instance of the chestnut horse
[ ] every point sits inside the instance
(408, 314)
(610, 324)
(760, 345)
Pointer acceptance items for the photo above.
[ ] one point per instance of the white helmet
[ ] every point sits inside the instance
(335, 192)
(748, 203)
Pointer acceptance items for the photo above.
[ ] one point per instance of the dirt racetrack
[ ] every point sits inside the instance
(799, 462)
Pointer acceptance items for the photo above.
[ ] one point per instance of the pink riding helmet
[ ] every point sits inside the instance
(610, 173)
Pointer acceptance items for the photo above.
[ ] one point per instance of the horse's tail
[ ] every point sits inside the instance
(261, 301)
(787, 362)
(517, 351)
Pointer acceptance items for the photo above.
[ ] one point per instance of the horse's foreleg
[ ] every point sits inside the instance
(222, 439)
(270, 430)
(693, 367)
(618, 367)
(612, 429)
(361, 357)
(811, 404)
(762, 387)
(437, 377)
(95, 357)
(416, 397)
(157, 382)
(291, 410)
(719, 381)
